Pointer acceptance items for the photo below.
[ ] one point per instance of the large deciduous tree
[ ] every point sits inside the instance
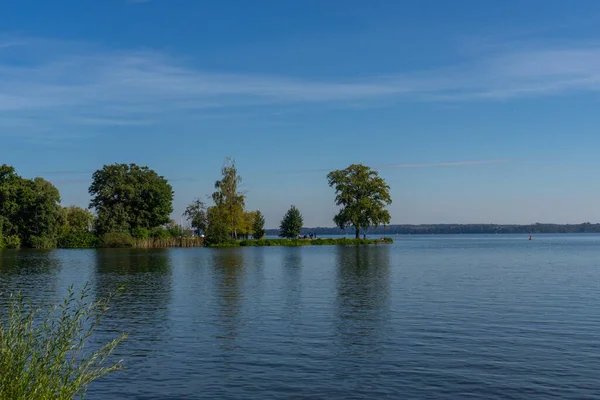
(363, 196)
(29, 208)
(127, 197)
(291, 224)
(229, 198)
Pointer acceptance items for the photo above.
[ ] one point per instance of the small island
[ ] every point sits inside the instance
(131, 206)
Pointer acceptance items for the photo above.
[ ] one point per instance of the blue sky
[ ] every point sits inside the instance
(472, 111)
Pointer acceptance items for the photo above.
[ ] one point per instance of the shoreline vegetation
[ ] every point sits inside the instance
(303, 242)
(46, 351)
(131, 206)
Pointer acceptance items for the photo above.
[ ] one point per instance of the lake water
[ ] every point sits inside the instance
(489, 317)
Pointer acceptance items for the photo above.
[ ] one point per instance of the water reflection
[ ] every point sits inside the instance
(362, 298)
(33, 272)
(228, 275)
(292, 275)
(142, 307)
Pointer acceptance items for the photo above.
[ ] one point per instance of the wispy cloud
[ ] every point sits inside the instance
(446, 164)
(91, 87)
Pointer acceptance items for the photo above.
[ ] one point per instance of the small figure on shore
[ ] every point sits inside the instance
(364, 235)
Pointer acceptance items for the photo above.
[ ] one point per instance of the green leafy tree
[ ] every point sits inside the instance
(217, 230)
(195, 213)
(291, 224)
(77, 219)
(29, 208)
(228, 197)
(127, 197)
(246, 225)
(258, 229)
(363, 196)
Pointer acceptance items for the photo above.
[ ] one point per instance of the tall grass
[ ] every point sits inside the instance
(43, 350)
(159, 243)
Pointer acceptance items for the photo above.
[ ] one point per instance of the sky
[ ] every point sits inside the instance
(472, 111)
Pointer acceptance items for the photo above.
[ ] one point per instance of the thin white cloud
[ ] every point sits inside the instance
(132, 88)
(447, 164)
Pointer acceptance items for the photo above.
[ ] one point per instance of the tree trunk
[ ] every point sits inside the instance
(358, 233)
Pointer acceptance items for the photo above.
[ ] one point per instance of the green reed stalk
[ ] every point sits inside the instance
(43, 352)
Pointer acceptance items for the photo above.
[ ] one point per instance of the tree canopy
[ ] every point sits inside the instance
(363, 196)
(29, 209)
(229, 198)
(195, 213)
(258, 229)
(291, 224)
(127, 197)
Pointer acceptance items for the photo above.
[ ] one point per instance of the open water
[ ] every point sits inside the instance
(482, 316)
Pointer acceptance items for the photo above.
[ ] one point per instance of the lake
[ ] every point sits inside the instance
(482, 316)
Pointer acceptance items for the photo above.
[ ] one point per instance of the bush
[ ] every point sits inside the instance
(12, 242)
(160, 233)
(42, 350)
(78, 240)
(141, 233)
(117, 239)
(42, 242)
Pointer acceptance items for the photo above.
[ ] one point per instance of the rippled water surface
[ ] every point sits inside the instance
(427, 317)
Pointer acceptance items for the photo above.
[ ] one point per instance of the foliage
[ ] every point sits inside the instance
(246, 225)
(258, 228)
(77, 219)
(228, 197)
(42, 242)
(291, 224)
(78, 240)
(195, 213)
(217, 231)
(312, 242)
(141, 233)
(29, 207)
(127, 197)
(363, 196)
(11, 242)
(116, 239)
(160, 233)
(44, 351)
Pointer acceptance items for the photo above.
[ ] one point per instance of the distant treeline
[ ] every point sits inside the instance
(432, 229)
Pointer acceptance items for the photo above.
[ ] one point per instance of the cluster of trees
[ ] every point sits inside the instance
(227, 218)
(134, 202)
(129, 202)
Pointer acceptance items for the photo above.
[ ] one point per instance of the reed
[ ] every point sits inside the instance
(161, 243)
(44, 350)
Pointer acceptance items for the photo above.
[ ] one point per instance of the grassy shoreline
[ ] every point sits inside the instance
(303, 242)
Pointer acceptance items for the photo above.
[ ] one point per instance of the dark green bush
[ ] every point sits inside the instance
(141, 233)
(160, 233)
(78, 240)
(42, 242)
(11, 242)
(117, 239)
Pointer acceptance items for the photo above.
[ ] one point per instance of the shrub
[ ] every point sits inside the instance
(141, 233)
(78, 240)
(117, 239)
(42, 242)
(42, 349)
(160, 233)
(12, 242)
